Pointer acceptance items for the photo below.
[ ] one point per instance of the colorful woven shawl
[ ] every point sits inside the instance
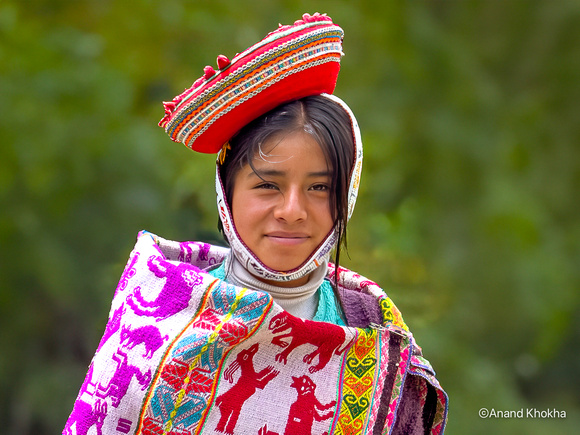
(186, 353)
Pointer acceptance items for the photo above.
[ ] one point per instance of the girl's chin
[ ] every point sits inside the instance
(294, 283)
(284, 264)
(283, 260)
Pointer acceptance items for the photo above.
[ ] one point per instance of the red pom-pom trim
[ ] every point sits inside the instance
(222, 62)
(208, 72)
(169, 107)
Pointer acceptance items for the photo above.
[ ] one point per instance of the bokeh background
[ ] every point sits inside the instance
(468, 213)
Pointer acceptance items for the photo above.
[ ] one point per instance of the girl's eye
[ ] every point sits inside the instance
(266, 186)
(320, 187)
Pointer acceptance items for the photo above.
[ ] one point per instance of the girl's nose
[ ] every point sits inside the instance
(292, 207)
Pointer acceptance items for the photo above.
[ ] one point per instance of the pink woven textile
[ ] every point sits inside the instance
(186, 353)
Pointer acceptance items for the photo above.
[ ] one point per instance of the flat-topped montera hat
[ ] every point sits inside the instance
(291, 62)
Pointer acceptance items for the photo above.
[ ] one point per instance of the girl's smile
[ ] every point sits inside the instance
(281, 210)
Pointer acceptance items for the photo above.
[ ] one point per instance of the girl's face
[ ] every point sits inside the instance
(284, 216)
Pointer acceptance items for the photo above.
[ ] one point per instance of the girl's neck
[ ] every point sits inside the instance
(296, 298)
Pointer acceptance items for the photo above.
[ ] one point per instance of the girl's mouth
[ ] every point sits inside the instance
(287, 238)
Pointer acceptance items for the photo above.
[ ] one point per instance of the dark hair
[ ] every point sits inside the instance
(327, 122)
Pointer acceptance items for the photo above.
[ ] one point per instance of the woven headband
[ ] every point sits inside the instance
(291, 62)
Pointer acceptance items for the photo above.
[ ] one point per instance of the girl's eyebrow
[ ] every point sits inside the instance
(278, 173)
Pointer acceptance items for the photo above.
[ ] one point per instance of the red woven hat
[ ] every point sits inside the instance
(290, 63)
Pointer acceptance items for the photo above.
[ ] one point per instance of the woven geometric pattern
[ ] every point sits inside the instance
(358, 384)
(181, 389)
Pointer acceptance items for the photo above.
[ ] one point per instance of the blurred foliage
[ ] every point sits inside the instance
(468, 213)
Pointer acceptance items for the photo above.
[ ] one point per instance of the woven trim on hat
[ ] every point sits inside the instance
(273, 52)
(195, 116)
(257, 86)
(245, 86)
(284, 48)
(283, 32)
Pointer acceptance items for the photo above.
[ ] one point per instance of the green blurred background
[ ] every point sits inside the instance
(468, 213)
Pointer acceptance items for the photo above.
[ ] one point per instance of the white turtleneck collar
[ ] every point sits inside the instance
(301, 301)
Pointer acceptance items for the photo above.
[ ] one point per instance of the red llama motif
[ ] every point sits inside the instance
(264, 431)
(230, 403)
(327, 339)
(306, 409)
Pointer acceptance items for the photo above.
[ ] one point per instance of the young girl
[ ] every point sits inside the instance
(266, 337)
